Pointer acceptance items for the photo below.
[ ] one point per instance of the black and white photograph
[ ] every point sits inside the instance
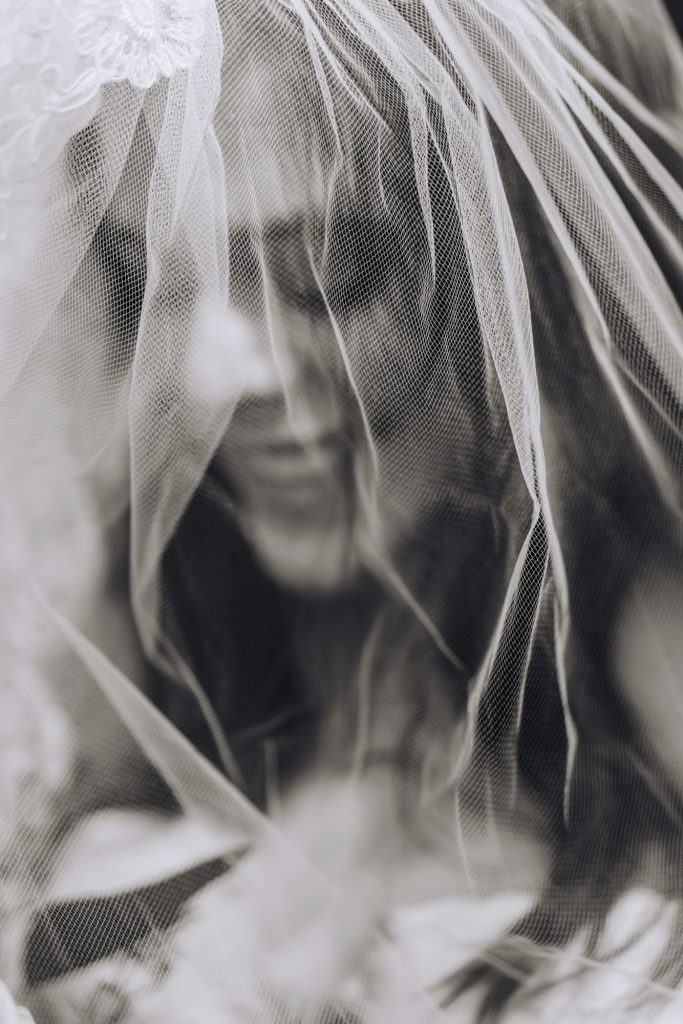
(341, 524)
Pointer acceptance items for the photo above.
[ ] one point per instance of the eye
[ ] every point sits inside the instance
(122, 255)
(178, 285)
(289, 267)
(363, 252)
(245, 282)
(361, 287)
(311, 302)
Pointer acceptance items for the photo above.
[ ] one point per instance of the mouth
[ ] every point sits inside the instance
(294, 500)
(288, 466)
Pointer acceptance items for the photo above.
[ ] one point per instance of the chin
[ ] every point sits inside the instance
(316, 561)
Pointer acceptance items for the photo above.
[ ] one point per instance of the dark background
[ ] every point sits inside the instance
(676, 12)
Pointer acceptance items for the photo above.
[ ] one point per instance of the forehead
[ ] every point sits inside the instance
(271, 177)
(289, 151)
(290, 148)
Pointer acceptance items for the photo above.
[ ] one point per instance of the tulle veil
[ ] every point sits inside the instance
(439, 243)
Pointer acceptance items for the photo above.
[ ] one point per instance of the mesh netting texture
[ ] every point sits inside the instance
(342, 519)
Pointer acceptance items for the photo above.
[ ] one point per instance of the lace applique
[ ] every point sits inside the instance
(140, 40)
(54, 57)
(43, 79)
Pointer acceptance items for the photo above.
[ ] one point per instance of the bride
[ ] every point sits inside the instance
(362, 373)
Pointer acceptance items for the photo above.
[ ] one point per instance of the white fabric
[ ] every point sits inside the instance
(341, 414)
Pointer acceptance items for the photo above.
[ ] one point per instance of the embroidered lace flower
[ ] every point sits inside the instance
(140, 40)
(54, 58)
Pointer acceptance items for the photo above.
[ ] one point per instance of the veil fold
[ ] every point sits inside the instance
(341, 410)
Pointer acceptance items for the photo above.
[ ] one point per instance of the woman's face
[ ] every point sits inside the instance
(324, 332)
(324, 323)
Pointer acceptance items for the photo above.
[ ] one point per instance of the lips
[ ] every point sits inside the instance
(295, 461)
(294, 502)
(278, 461)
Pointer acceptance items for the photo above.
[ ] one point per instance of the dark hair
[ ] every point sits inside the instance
(230, 622)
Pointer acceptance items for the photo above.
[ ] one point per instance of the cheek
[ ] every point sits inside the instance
(229, 357)
(388, 348)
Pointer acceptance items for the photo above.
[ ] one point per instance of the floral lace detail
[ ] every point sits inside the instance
(140, 40)
(55, 55)
(43, 80)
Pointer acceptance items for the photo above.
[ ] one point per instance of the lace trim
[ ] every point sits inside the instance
(139, 40)
(56, 54)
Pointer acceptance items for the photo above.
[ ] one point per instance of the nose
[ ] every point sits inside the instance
(228, 361)
(275, 372)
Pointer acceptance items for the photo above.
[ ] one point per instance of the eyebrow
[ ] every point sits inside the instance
(278, 234)
(277, 230)
(68, 935)
(353, 236)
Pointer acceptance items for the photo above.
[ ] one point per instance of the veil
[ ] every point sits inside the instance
(342, 458)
